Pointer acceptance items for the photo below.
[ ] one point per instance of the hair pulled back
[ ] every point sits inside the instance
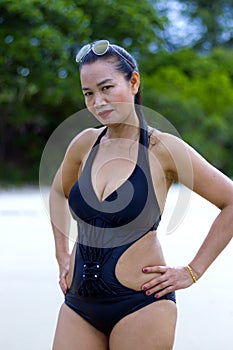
(121, 66)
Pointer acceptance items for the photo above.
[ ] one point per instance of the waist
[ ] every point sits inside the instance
(146, 251)
(120, 266)
(97, 233)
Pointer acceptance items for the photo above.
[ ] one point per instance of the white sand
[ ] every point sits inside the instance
(30, 297)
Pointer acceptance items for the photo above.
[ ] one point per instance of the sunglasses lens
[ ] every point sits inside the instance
(100, 47)
(82, 52)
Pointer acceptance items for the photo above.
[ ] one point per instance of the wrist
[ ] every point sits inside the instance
(192, 273)
(198, 270)
(62, 256)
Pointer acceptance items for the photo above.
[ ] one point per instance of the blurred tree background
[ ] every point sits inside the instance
(184, 50)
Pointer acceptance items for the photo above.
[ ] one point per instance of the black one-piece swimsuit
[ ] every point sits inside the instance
(106, 229)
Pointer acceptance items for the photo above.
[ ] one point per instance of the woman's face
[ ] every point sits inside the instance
(108, 95)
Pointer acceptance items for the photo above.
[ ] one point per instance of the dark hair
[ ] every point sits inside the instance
(121, 66)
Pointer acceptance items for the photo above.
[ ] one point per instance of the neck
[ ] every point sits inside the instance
(128, 129)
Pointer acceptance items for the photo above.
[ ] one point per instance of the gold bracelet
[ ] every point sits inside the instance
(192, 274)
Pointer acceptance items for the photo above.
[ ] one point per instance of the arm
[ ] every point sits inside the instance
(64, 180)
(212, 185)
(60, 216)
(60, 221)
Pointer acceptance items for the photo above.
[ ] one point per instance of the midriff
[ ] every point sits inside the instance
(146, 251)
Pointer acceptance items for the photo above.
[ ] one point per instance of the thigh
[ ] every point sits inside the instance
(75, 333)
(152, 327)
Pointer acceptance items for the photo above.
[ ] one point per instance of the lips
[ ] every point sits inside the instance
(105, 114)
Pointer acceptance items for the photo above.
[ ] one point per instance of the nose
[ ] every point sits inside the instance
(99, 100)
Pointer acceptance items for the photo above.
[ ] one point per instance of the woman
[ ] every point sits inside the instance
(119, 292)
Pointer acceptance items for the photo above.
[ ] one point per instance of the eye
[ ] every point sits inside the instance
(107, 87)
(88, 93)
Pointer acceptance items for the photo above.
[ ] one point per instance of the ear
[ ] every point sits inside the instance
(135, 82)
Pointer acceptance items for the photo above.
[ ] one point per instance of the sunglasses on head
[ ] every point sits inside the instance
(99, 48)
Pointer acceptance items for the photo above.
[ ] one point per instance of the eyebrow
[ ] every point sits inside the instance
(99, 84)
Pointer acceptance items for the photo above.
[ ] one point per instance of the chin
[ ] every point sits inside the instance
(108, 122)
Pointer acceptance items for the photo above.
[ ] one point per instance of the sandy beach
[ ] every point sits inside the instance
(30, 296)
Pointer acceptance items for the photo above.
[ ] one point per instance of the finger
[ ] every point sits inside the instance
(160, 290)
(160, 282)
(153, 287)
(163, 292)
(158, 269)
(63, 288)
(63, 285)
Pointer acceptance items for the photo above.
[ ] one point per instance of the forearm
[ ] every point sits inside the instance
(60, 221)
(217, 239)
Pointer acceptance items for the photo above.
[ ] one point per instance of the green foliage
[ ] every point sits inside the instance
(197, 97)
(39, 76)
(40, 82)
(215, 22)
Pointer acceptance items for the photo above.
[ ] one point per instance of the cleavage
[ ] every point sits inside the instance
(111, 170)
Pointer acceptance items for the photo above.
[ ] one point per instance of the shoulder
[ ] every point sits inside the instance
(166, 144)
(173, 153)
(188, 167)
(82, 143)
(77, 150)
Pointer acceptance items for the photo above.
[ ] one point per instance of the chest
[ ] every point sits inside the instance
(113, 164)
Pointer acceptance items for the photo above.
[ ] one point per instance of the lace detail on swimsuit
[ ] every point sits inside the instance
(92, 283)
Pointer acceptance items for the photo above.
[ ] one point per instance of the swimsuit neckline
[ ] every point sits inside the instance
(92, 157)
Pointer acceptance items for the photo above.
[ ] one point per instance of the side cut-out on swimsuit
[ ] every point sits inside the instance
(105, 231)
